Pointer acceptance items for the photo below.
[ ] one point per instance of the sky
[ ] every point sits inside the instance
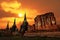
(11, 9)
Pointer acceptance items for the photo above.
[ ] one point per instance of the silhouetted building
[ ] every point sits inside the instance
(7, 27)
(14, 27)
(24, 26)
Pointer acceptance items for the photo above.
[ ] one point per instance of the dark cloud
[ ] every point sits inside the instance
(7, 14)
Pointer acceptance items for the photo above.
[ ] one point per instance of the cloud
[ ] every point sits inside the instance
(11, 6)
(7, 14)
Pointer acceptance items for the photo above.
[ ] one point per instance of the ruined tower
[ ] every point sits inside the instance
(7, 27)
(14, 27)
(24, 26)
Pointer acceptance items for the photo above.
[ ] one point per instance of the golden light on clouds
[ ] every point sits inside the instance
(11, 6)
(16, 8)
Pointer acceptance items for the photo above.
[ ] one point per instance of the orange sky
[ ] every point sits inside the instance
(10, 9)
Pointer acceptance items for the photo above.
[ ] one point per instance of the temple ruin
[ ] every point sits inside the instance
(47, 19)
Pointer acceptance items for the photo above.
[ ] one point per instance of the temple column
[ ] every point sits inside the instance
(44, 21)
(53, 20)
(41, 21)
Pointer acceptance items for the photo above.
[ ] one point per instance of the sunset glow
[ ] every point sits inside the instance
(10, 9)
(20, 15)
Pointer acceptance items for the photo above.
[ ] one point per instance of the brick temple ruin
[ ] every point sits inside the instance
(45, 21)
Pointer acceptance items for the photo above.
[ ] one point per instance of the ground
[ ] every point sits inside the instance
(34, 36)
(29, 38)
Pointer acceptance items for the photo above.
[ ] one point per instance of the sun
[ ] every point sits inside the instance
(20, 15)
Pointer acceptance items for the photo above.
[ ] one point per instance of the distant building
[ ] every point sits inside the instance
(47, 19)
(24, 26)
(7, 27)
(14, 27)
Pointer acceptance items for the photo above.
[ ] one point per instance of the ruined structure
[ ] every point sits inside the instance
(7, 27)
(14, 27)
(47, 19)
(24, 26)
